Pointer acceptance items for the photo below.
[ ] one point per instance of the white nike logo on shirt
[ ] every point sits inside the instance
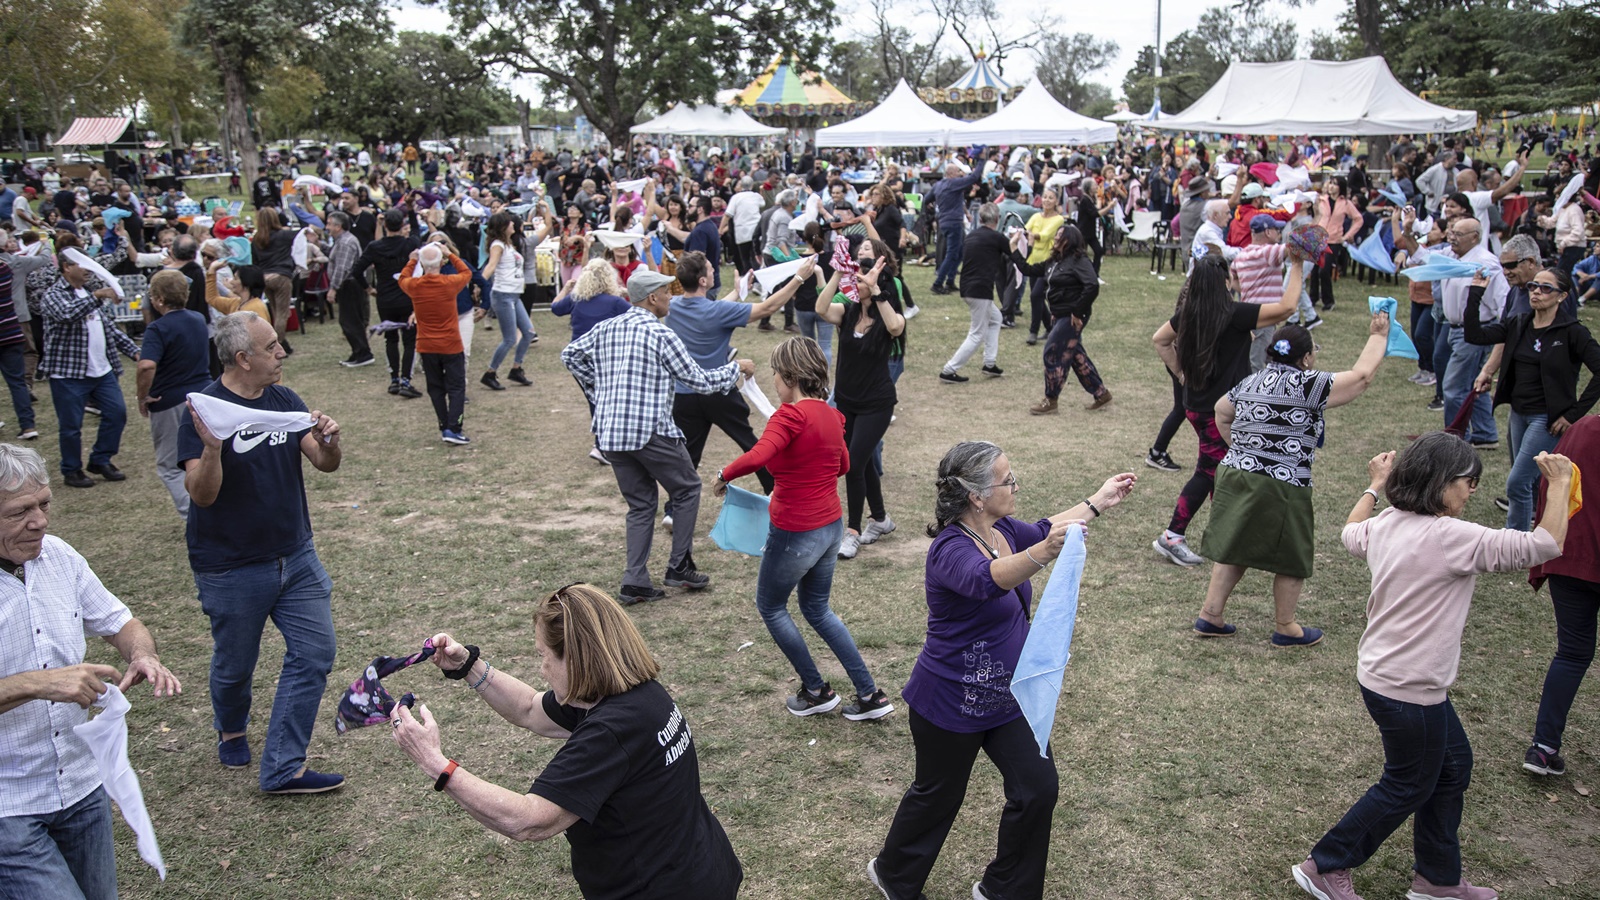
(243, 445)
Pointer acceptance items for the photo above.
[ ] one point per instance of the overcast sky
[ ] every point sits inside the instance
(1131, 23)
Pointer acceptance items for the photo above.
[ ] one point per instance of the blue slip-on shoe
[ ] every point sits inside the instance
(1206, 629)
(1311, 636)
(234, 752)
(309, 782)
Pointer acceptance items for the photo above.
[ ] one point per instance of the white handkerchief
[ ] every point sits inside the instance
(635, 185)
(1567, 193)
(299, 251)
(323, 183)
(615, 239)
(812, 213)
(1061, 179)
(743, 284)
(33, 249)
(758, 401)
(772, 276)
(107, 738)
(1226, 169)
(82, 259)
(473, 209)
(225, 419)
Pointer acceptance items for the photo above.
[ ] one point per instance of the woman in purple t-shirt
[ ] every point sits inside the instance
(959, 693)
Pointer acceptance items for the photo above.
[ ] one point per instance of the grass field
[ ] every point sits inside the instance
(1189, 768)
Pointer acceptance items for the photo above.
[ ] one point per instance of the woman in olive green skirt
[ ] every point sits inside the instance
(1261, 512)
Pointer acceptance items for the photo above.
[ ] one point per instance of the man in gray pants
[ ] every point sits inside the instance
(627, 365)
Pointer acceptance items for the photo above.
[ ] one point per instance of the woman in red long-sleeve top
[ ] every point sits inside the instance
(803, 447)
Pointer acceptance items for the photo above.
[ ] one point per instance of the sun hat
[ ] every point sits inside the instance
(1311, 239)
(1197, 186)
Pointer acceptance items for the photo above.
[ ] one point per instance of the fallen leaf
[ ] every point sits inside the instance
(1552, 798)
(225, 863)
(1582, 790)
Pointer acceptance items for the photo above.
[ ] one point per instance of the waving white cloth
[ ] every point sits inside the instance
(615, 239)
(1061, 179)
(473, 209)
(756, 397)
(812, 213)
(82, 259)
(772, 276)
(107, 738)
(1567, 193)
(323, 183)
(33, 249)
(1226, 169)
(632, 186)
(225, 419)
(299, 250)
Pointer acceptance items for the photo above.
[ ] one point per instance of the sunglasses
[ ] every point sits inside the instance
(1539, 287)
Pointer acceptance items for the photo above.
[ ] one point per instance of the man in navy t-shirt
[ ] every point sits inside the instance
(251, 551)
(174, 360)
(706, 238)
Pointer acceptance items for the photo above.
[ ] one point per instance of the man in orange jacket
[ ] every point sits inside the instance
(444, 360)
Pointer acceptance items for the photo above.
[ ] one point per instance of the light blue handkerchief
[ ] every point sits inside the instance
(1037, 682)
(742, 524)
(1399, 342)
(1374, 254)
(1392, 193)
(1438, 268)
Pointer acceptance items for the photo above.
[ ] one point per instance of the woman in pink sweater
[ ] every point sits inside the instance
(1425, 562)
(1342, 220)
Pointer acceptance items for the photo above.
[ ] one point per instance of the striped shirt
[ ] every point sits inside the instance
(1277, 422)
(44, 766)
(1259, 268)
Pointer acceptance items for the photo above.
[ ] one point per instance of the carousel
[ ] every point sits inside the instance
(977, 93)
(788, 98)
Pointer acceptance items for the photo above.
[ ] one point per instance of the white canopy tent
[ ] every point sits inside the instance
(1124, 115)
(1035, 117)
(1310, 96)
(901, 120)
(705, 121)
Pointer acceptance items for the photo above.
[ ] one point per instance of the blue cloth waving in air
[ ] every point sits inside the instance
(1037, 682)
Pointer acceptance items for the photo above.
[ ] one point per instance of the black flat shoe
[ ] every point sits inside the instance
(76, 478)
(108, 471)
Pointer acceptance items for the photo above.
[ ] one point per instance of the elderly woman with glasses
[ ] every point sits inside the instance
(624, 786)
(1425, 563)
(959, 694)
(1538, 357)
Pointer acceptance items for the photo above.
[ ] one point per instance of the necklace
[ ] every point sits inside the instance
(993, 554)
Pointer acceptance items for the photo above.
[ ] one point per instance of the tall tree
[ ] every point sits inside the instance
(616, 58)
(981, 26)
(1195, 59)
(1065, 62)
(65, 53)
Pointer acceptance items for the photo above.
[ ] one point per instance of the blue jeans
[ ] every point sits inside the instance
(806, 559)
(1577, 602)
(513, 318)
(11, 365)
(296, 594)
(1530, 436)
(1422, 329)
(951, 240)
(1457, 364)
(66, 854)
(818, 329)
(70, 395)
(1426, 769)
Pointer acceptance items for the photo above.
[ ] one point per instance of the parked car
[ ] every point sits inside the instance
(39, 162)
(438, 147)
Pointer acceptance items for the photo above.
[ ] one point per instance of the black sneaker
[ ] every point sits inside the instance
(394, 385)
(940, 289)
(407, 391)
(1008, 323)
(1327, 307)
(952, 378)
(491, 381)
(865, 708)
(108, 471)
(1539, 762)
(1502, 504)
(1158, 459)
(1032, 339)
(356, 362)
(632, 593)
(993, 371)
(688, 577)
(1486, 445)
(806, 703)
(516, 375)
(76, 478)
(1436, 406)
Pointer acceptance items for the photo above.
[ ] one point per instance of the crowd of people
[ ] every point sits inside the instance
(631, 249)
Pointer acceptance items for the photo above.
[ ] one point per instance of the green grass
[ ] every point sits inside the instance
(1189, 768)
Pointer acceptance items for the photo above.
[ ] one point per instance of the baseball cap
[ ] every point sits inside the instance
(1263, 222)
(644, 283)
(1251, 191)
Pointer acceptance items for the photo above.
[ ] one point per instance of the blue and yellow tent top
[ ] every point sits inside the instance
(783, 90)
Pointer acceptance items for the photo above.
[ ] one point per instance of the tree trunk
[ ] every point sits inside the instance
(236, 116)
(1369, 26)
(177, 127)
(524, 111)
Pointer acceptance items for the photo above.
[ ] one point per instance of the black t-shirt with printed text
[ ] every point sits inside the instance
(630, 774)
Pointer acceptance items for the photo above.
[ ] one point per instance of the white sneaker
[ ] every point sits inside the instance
(667, 521)
(912, 312)
(876, 529)
(597, 456)
(1177, 551)
(849, 546)
(29, 435)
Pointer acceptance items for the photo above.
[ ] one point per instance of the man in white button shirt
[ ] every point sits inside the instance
(55, 818)
(1455, 361)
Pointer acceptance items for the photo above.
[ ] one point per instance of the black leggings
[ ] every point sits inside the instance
(1174, 419)
(1321, 287)
(862, 432)
(1041, 309)
(400, 366)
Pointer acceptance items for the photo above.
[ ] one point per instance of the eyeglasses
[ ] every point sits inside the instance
(1542, 288)
(1472, 481)
(1010, 482)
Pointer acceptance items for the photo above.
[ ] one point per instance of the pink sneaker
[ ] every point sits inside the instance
(1423, 889)
(1334, 885)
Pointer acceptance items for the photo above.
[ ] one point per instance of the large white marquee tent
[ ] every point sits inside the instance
(901, 120)
(705, 121)
(1036, 117)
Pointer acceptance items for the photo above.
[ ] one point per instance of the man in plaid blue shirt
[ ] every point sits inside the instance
(627, 365)
(81, 344)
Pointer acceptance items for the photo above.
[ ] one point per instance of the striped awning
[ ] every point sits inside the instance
(980, 76)
(90, 131)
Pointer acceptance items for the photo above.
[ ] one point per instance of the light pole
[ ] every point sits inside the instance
(1157, 106)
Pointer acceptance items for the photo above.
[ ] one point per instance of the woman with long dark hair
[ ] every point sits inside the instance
(1342, 220)
(273, 246)
(1207, 346)
(1071, 287)
(504, 272)
(863, 386)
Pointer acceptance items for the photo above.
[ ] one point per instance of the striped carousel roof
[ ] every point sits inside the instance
(980, 75)
(780, 83)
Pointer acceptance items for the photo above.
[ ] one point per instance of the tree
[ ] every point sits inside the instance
(980, 26)
(616, 58)
(1195, 59)
(1065, 62)
(64, 53)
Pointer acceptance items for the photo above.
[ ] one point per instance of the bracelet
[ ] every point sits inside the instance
(1375, 497)
(478, 685)
(444, 776)
(1092, 508)
(458, 674)
(1028, 552)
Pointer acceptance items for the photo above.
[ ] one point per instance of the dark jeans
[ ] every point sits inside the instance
(1040, 309)
(13, 358)
(697, 414)
(63, 855)
(355, 314)
(1200, 484)
(862, 486)
(447, 387)
(1011, 294)
(1063, 349)
(951, 240)
(930, 805)
(70, 395)
(1174, 419)
(1427, 766)
(1576, 603)
(1422, 335)
(401, 363)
